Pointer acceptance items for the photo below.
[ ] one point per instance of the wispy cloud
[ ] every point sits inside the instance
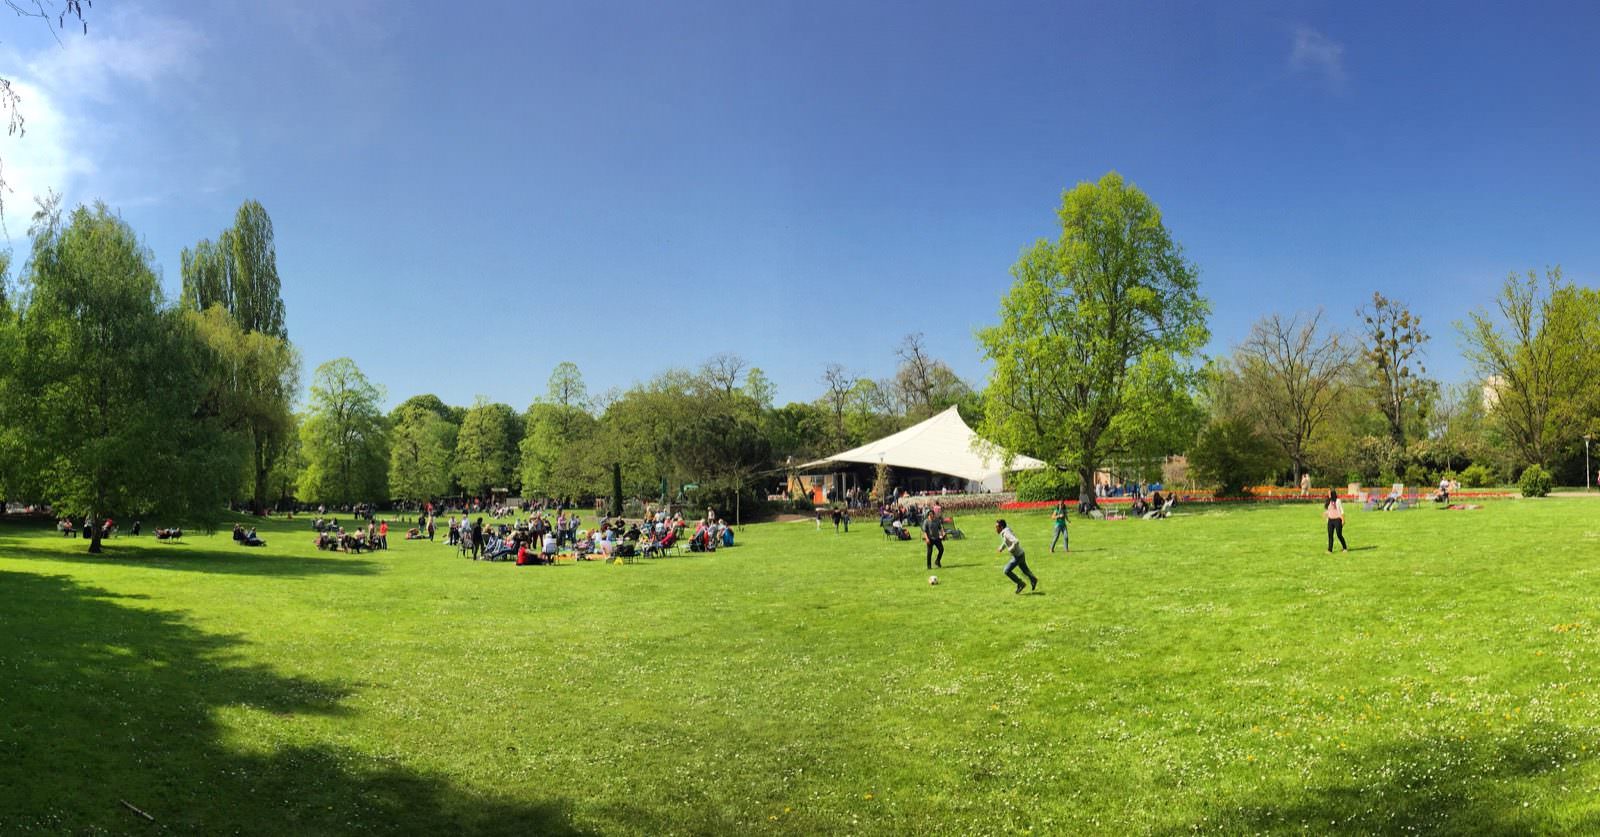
(73, 94)
(1315, 54)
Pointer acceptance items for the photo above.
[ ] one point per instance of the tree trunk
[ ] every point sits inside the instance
(258, 500)
(616, 489)
(94, 538)
(1086, 488)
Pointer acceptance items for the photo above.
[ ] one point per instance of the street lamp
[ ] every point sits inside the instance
(1587, 474)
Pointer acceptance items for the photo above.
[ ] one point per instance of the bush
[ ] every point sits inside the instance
(1230, 455)
(1417, 476)
(1536, 482)
(1043, 484)
(1478, 476)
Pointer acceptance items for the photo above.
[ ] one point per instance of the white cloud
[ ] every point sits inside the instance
(74, 92)
(1317, 54)
(47, 156)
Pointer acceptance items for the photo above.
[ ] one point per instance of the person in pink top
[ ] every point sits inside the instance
(1333, 510)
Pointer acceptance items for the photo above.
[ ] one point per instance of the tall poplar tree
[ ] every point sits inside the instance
(239, 274)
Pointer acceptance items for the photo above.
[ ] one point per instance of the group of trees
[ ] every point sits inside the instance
(1301, 396)
(1096, 366)
(710, 434)
(115, 401)
(119, 401)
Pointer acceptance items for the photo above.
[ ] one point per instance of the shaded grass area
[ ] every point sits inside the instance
(1215, 672)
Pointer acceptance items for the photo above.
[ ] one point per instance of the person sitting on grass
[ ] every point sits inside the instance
(550, 548)
(66, 528)
(173, 534)
(251, 539)
(413, 534)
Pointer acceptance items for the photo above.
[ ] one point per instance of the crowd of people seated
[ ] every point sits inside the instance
(539, 538)
(331, 536)
(246, 537)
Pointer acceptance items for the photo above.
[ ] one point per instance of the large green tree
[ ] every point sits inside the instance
(342, 440)
(556, 455)
(1539, 354)
(483, 456)
(239, 274)
(259, 375)
(420, 446)
(1094, 356)
(112, 389)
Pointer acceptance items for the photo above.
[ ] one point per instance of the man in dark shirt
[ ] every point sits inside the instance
(933, 536)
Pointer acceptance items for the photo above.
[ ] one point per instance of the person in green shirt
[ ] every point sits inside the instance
(1059, 519)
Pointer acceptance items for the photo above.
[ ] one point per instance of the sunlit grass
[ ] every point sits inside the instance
(1217, 671)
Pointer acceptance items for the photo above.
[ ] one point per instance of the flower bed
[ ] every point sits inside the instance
(1280, 496)
(962, 502)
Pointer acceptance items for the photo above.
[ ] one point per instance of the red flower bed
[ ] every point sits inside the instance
(1415, 496)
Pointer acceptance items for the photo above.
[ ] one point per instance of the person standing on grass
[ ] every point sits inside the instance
(933, 536)
(1333, 510)
(477, 538)
(1019, 559)
(1059, 519)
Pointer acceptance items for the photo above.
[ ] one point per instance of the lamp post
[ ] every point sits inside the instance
(1587, 474)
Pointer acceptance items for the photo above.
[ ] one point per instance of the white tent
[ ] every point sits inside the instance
(943, 444)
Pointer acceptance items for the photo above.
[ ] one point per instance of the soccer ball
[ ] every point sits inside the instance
(933, 580)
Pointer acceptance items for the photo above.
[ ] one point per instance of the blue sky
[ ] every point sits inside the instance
(466, 195)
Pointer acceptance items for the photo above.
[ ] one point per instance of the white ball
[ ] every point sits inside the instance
(933, 580)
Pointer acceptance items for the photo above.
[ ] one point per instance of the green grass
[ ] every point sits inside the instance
(1215, 672)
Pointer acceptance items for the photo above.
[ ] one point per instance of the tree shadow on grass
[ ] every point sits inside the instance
(105, 703)
(1439, 784)
(188, 557)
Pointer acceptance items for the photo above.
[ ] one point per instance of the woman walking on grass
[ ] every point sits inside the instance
(1333, 511)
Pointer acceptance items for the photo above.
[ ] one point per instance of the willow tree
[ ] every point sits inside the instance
(1096, 350)
(111, 389)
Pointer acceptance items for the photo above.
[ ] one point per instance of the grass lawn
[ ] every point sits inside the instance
(1215, 672)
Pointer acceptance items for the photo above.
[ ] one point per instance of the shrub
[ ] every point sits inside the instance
(1536, 482)
(1478, 476)
(1045, 484)
(1230, 455)
(1417, 476)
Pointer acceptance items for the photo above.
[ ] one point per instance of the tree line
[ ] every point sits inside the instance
(117, 400)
